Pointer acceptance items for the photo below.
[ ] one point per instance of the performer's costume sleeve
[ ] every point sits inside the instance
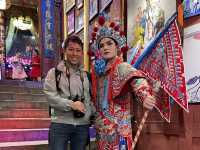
(125, 77)
(141, 88)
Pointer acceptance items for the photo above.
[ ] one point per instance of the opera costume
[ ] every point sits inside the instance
(113, 86)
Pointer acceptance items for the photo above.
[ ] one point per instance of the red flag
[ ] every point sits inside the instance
(162, 61)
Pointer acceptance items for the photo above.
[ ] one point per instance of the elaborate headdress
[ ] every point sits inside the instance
(104, 29)
(108, 29)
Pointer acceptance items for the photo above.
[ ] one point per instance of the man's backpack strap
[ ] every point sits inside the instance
(90, 82)
(88, 76)
(57, 78)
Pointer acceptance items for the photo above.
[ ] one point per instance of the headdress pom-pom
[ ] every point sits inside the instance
(122, 33)
(95, 29)
(94, 34)
(124, 49)
(112, 24)
(90, 53)
(101, 20)
(116, 28)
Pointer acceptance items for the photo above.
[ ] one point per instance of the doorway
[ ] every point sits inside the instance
(22, 40)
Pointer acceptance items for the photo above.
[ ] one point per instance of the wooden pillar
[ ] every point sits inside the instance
(64, 20)
(58, 29)
(86, 36)
(2, 44)
(2, 32)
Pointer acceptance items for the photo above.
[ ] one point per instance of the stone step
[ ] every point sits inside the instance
(9, 82)
(18, 89)
(12, 104)
(13, 90)
(30, 145)
(7, 95)
(24, 123)
(22, 96)
(35, 145)
(24, 113)
(14, 83)
(34, 97)
(36, 91)
(23, 135)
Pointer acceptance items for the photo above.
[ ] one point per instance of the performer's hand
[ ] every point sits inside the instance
(149, 102)
(78, 106)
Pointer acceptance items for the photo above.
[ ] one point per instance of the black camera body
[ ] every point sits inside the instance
(77, 113)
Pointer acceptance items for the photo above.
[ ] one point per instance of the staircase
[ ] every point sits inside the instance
(24, 119)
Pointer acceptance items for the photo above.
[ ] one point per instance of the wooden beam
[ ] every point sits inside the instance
(86, 37)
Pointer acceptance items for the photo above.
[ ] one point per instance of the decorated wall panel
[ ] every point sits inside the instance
(191, 59)
(145, 19)
(191, 8)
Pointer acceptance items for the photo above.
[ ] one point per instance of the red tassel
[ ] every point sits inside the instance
(101, 20)
(112, 24)
(122, 33)
(95, 29)
(94, 34)
(124, 49)
(90, 53)
(94, 86)
(93, 39)
(116, 28)
(127, 47)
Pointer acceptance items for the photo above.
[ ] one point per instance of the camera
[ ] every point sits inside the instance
(77, 113)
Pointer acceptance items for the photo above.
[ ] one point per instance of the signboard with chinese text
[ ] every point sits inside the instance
(48, 22)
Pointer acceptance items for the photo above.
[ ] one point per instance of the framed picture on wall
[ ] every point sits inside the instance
(79, 3)
(69, 4)
(93, 8)
(81, 35)
(145, 19)
(104, 4)
(79, 20)
(191, 8)
(70, 21)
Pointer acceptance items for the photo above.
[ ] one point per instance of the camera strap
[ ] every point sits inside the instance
(68, 78)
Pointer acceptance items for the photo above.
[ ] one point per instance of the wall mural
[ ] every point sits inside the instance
(191, 8)
(191, 59)
(145, 19)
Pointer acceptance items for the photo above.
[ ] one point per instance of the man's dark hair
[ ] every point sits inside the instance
(74, 39)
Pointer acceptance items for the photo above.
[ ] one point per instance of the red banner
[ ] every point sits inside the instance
(163, 62)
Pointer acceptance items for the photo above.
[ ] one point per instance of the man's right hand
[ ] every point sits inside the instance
(77, 105)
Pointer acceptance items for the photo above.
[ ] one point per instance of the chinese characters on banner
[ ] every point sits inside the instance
(48, 28)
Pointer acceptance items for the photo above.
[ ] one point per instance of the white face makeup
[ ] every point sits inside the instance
(108, 48)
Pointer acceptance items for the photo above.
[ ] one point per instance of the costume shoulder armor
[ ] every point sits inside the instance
(121, 76)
